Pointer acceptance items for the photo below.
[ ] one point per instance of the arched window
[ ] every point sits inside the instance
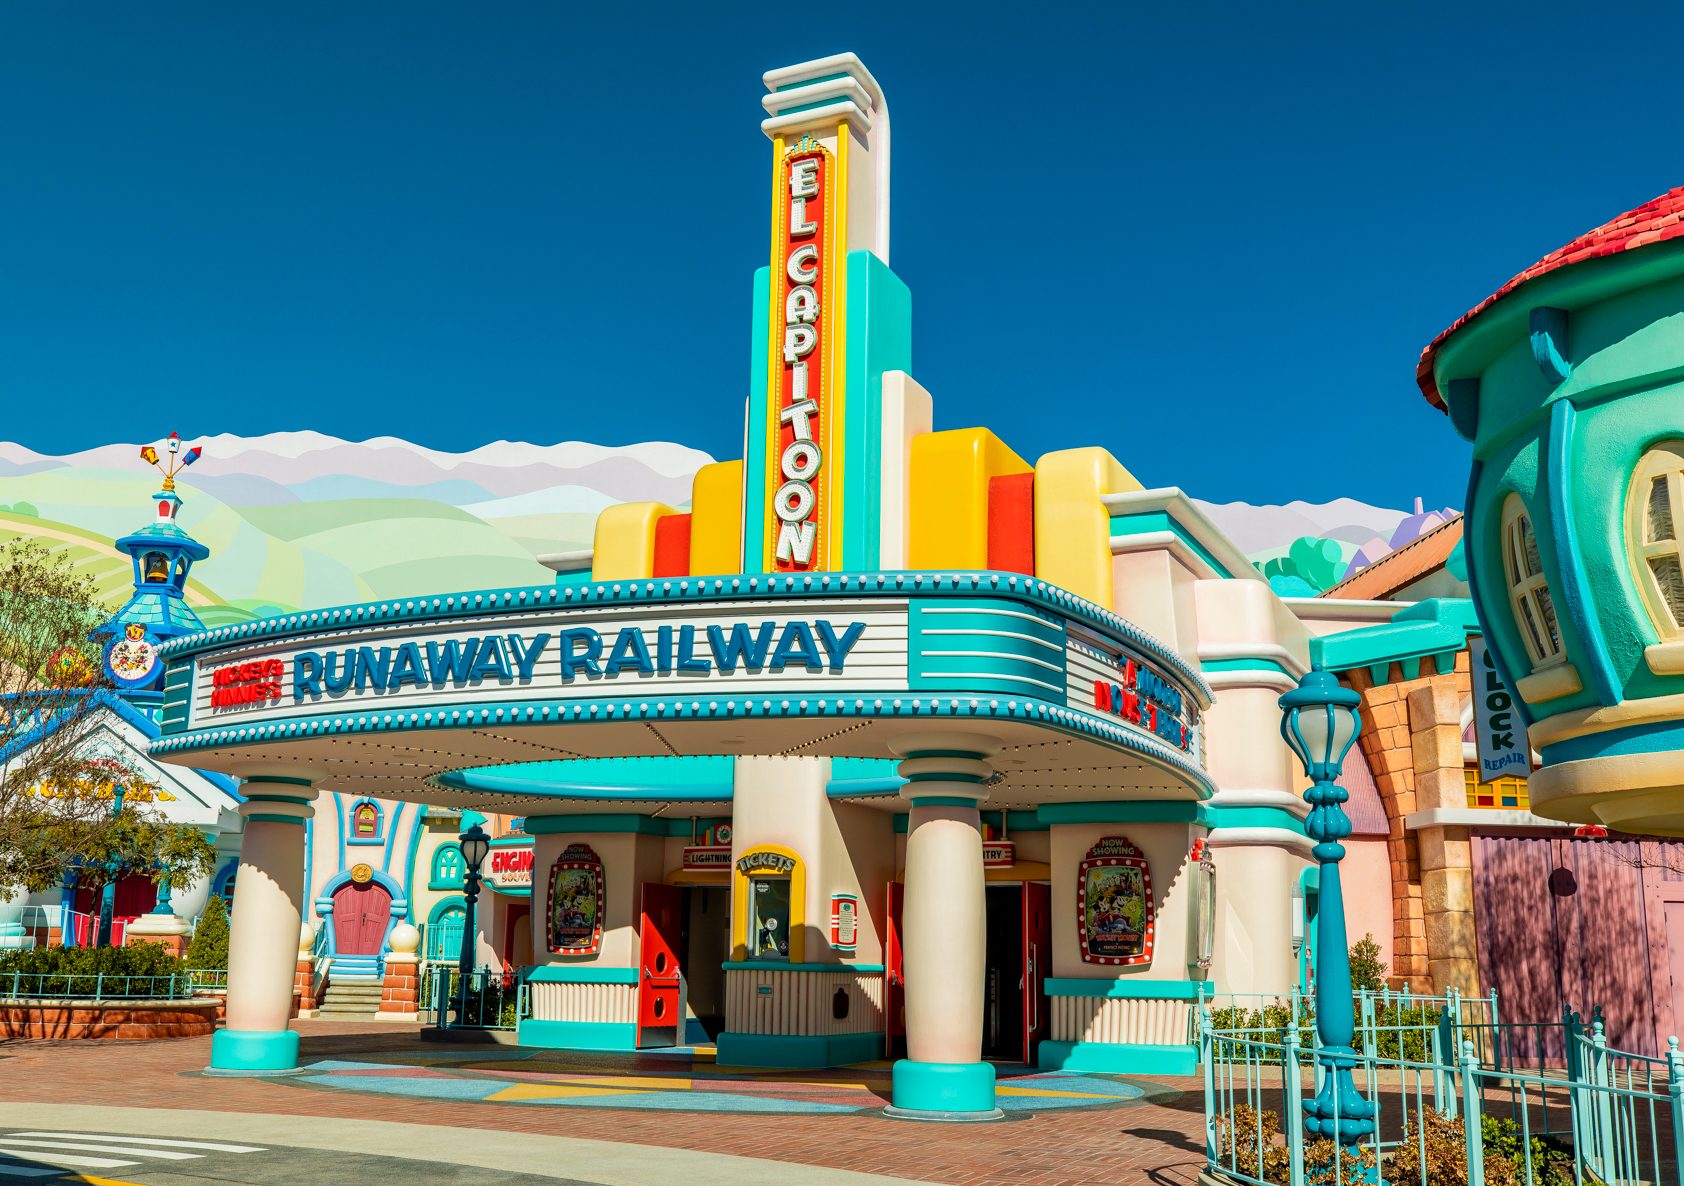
(1529, 591)
(365, 822)
(448, 868)
(444, 930)
(155, 566)
(1654, 508)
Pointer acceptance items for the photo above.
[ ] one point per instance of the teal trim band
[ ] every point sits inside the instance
(580, 974)
(1132, 989)
(277, 819)
(944, 801)
(298, 799)
(1217, 818)
(280, 779)
(775, 966)
(968, 755)
(946, 776)
(1654, 737)
(878, 339)
(755, 496)
(1246, 664)
(1118, 1058)
(1147, 812)
(796, 1051)
(1149, 522)
(937, 1087)
(642, 825)
(789, 86)
(577, 1035)
(1575, 582)
(258, 1051)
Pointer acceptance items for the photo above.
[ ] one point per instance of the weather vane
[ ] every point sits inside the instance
(178, 460)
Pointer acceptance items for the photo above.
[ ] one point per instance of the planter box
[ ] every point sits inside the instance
(65, 1019)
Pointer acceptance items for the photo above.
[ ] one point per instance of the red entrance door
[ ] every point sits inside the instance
(894, 980)
(360, 915)
(1037, 954)
(659, 1002)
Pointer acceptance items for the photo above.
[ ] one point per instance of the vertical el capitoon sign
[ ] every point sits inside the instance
(803, 433)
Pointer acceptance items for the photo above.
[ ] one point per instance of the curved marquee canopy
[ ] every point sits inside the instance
(417, 698)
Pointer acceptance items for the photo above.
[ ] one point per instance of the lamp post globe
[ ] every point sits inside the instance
(1319, 724)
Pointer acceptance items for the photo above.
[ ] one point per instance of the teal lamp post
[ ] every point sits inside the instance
(474, 844)
(1319, 723)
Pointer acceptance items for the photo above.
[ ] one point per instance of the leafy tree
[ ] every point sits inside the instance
(1309, 566)
(58, 787)
(209, 946)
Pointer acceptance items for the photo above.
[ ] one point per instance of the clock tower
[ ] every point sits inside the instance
(163, 554)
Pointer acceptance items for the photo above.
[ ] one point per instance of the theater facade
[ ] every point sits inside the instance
(891, 744)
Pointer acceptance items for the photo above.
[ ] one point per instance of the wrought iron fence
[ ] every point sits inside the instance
(489, 1000)
(1601, 1116)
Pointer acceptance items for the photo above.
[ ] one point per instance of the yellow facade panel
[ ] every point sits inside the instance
(949, 491)
(1072, 527)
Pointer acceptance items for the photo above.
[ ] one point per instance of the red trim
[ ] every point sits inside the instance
(1653, 222)
(672, 546)
(1011, 523)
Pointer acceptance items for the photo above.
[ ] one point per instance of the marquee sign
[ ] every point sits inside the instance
(1505, 751)
(1124, 687)
(801, 443)
(1114, 919)
(706, 858)
(641, 652)
(510, 868)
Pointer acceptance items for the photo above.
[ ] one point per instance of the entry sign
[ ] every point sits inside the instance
(1504, 750)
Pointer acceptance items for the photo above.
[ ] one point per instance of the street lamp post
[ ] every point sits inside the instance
(1319, 723)
(474, 844)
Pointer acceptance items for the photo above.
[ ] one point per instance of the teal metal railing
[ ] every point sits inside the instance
(96, 986)
(1597, 1116)
(493, 1000)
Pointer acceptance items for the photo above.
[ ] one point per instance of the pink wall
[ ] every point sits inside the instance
(1366, 875)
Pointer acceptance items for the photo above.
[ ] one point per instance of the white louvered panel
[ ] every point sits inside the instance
(584, 1002)
(876, 662)
(800, 1002)
(1097, 1019)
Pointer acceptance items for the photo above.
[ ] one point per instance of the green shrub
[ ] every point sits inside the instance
(73, 971)
(1368, 970)
(209, 946)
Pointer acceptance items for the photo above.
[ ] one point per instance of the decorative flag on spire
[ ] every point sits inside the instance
(178, 460)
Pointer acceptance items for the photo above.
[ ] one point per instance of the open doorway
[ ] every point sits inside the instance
(1016, 954)
(706, 945)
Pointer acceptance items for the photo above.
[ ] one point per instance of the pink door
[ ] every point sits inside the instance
(1037, 958)
(360, 916)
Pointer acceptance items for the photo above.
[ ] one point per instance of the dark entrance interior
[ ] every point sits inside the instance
(704, 948)
(1017, 953)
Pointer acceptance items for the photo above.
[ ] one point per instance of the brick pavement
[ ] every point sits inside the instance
(1155, 1141)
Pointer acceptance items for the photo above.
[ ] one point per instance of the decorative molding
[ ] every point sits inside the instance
(1547, 329)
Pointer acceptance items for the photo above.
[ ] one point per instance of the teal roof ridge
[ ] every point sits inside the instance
(1437, 627)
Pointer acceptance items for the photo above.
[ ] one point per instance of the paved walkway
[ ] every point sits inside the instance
(1151, 1137)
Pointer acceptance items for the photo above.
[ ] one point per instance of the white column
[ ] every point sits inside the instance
(943, 1075)
(263, 935)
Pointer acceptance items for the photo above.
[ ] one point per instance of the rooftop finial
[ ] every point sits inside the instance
(178, 460)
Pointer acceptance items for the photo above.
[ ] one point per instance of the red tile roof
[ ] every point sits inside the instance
(1397, 569)
(1653, 222)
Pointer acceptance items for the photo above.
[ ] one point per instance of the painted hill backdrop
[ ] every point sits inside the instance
(301, 519)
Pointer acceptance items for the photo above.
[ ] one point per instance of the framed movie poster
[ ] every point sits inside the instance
(575, 918)
(1114, 900)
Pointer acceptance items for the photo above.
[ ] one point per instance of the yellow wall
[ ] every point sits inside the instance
(624, 546)
(716, 519)
(949, 513)
(1072, 527)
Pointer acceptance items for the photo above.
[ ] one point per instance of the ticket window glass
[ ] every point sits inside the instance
(768, 918)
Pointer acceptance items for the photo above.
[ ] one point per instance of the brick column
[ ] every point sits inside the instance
(1445, 859)
(400, 993)
(304, 976)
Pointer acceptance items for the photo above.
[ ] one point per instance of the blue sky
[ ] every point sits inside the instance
(1210, 238)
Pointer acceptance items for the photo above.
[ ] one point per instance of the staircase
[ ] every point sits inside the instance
(347, 997)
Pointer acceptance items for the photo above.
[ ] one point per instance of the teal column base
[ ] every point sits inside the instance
(1118, 1058)
(950, 1091)
(253, 1052)
(577, 1035)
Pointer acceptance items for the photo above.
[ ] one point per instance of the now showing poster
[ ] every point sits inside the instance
(1504, 751)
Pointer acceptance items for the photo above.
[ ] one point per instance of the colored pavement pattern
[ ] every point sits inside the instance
(677, 1082)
